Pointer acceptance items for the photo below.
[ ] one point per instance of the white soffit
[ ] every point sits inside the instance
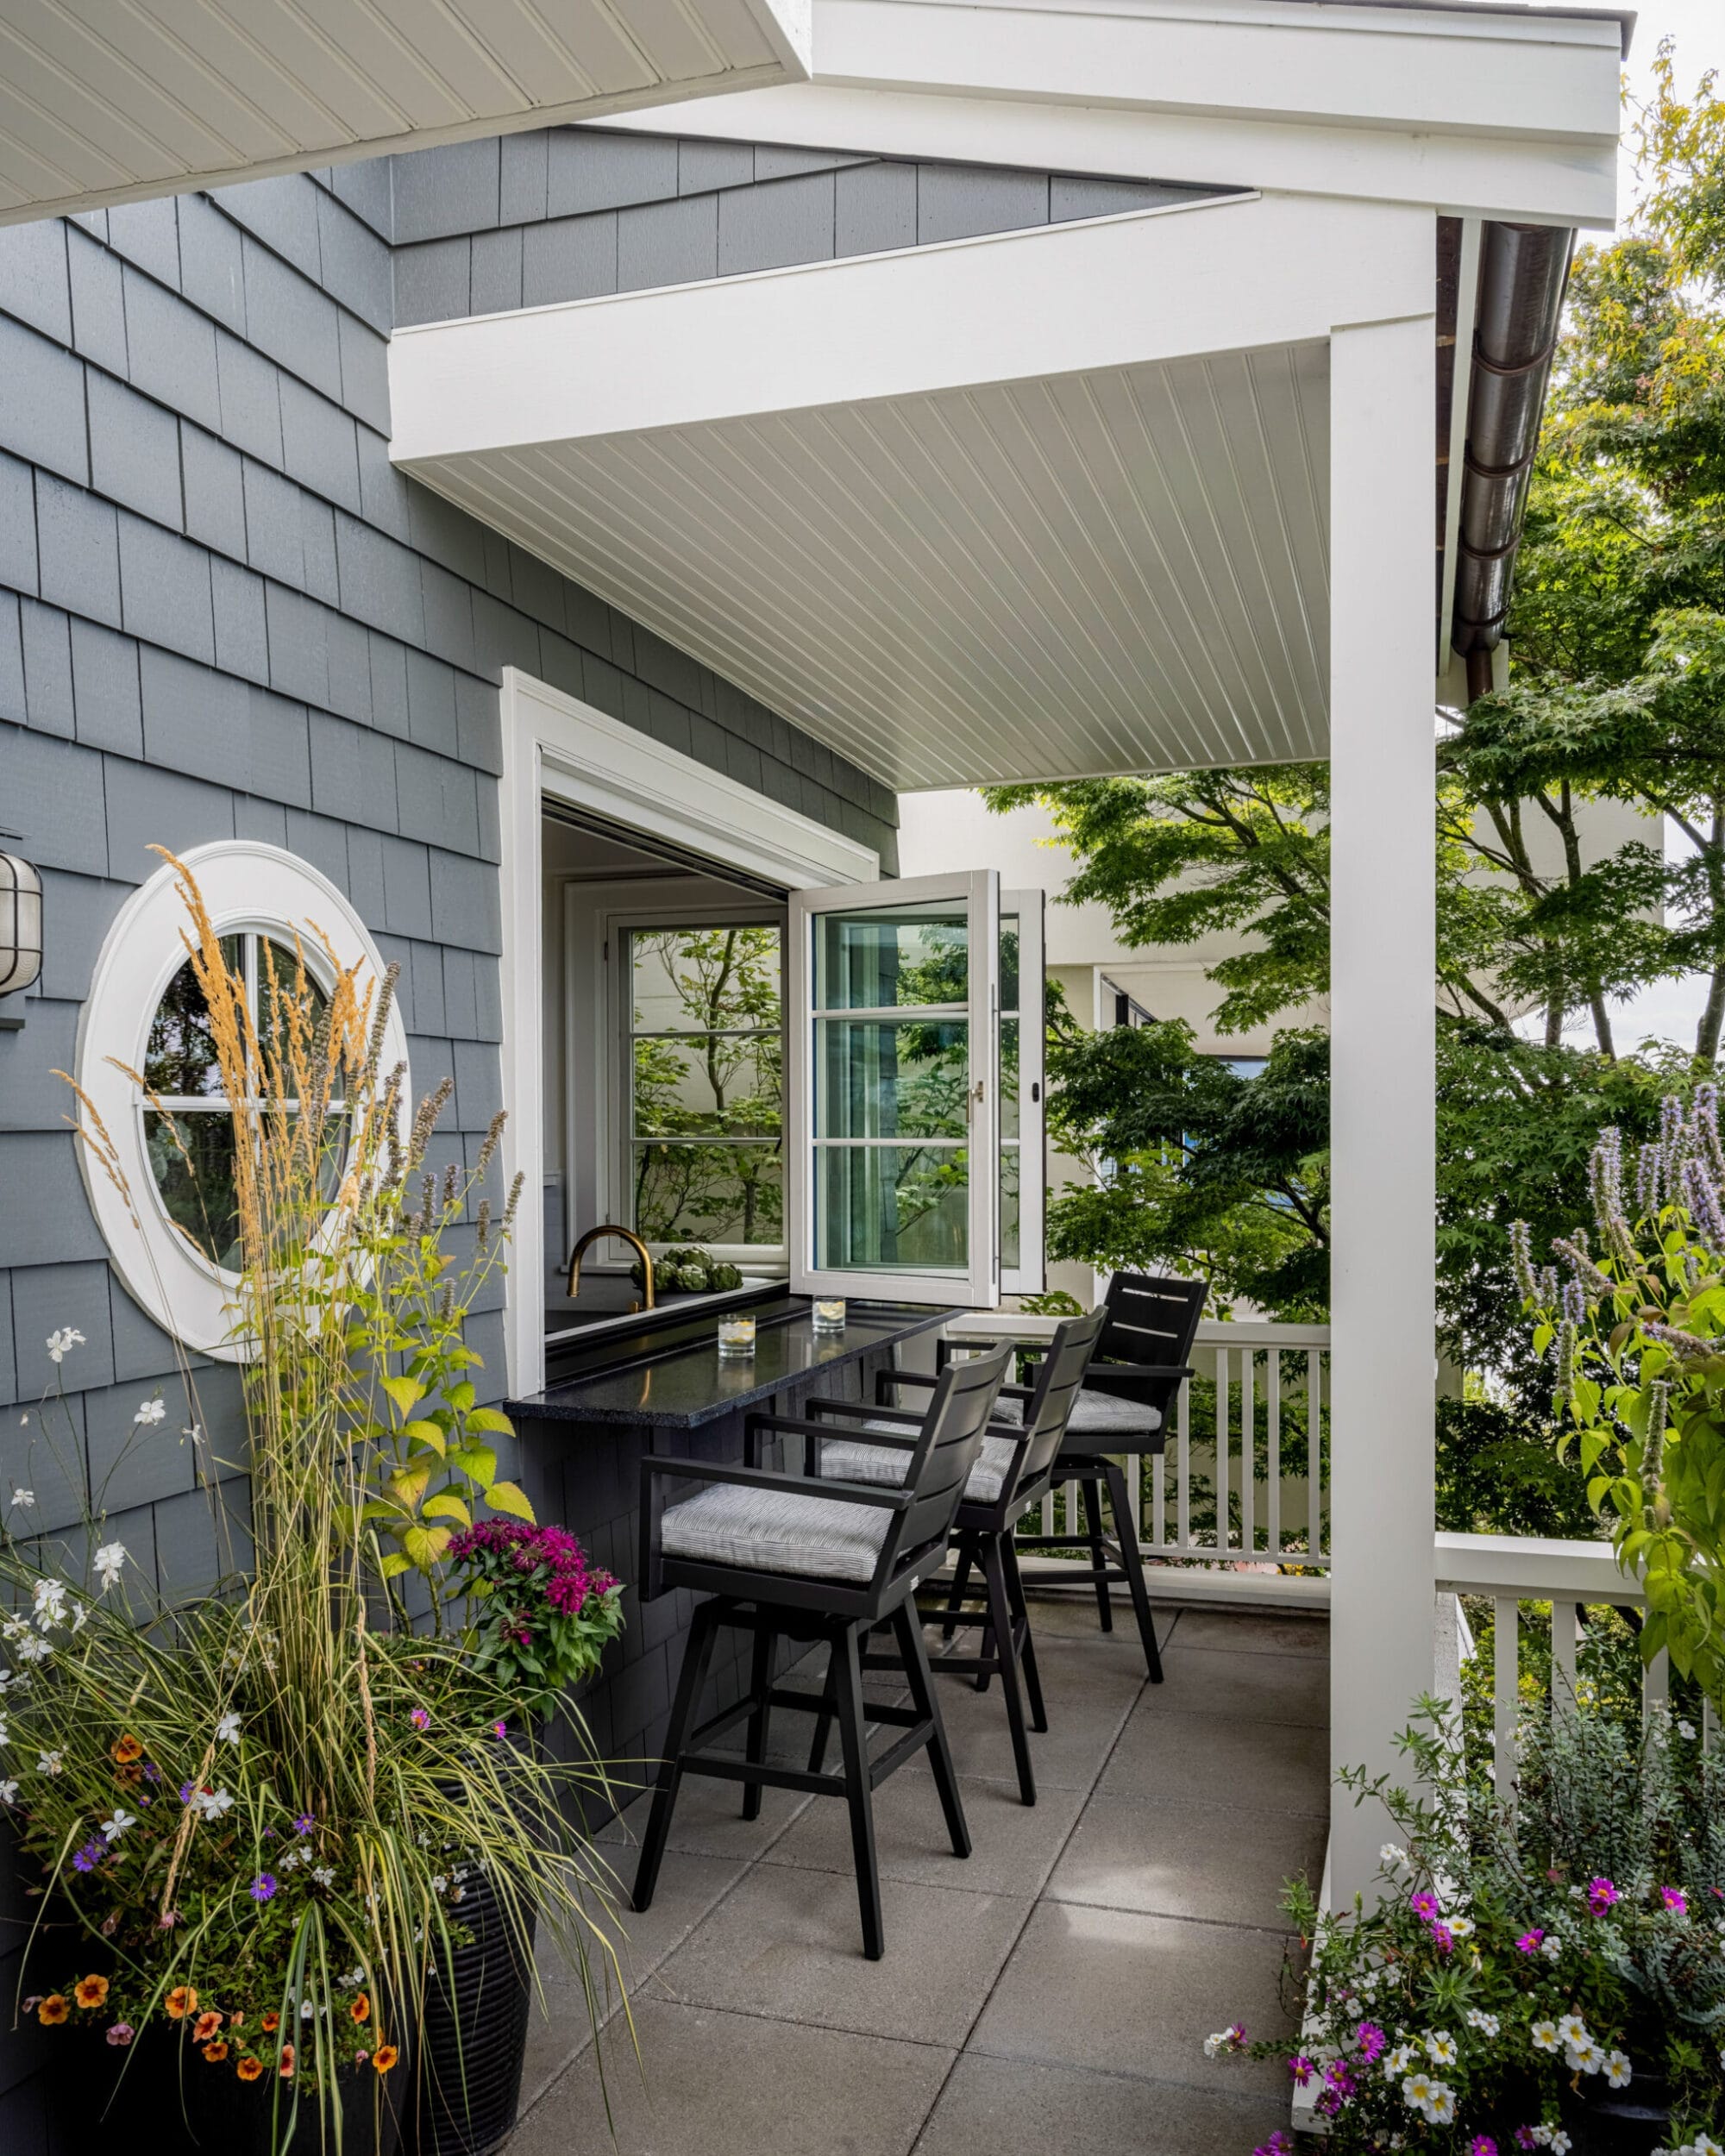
(1100, 571)
(112, 100)
(1038, 504)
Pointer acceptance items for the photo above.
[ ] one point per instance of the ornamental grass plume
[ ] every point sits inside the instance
(270, 1802)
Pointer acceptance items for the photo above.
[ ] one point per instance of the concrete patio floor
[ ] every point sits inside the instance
(1053, 1989)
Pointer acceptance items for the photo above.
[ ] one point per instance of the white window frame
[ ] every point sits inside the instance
(1029, 1278)
(979, 891)
(248, 888)
(557, 748)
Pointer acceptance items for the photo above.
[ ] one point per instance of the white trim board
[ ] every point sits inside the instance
(557, 748)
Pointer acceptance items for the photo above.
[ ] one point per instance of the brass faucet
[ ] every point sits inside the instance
(598, 1235)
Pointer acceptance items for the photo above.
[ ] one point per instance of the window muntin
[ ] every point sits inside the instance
(186, 1116)
(704, 1059)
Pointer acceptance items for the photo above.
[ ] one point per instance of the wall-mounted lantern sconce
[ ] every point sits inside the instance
(21, 931)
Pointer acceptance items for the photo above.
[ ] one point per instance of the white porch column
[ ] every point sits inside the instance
(1383, 1035)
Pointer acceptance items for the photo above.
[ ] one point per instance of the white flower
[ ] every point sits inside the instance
(1416, 2090)
(228, 1729)
(1618, 2072)
(113, 1829)
(1487, 2024)
(1572, 2029)
(9, 1790)
(49, 1763)
(306, 2009)
(1545, 2036)
(1355, 2008)
(1441, 2105)
(1559, 2142)
(1551, 1946)
(50, 1603)
(150, 1413)
(1686, 1731)
(61, 1344)
(110, 1562)
(1459, 1926)
(1229, 2039)
(439, 1883)
(1392, 1857)
(1584, 2058)
(1704, 2144)
(324, 1873)
(1441, 2047)
(209, 1804)
(194, 1431)
(22, 1500)
(354, 1981)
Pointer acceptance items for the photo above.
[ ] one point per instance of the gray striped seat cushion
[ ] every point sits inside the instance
(1095, 1414)
(776, 1531)
(845, 1460)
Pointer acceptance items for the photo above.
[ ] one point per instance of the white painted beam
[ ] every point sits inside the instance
(1382, 963)
(1234, 275)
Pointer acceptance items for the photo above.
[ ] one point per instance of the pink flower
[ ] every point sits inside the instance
(1278, 2144)
(1528, 1943)
(1301, 2068)
(122, 2033)
(1675, 1900)
(1371, 2042)
(1425, 1906)
(1443, 1939)
(1525, 2137)
(1600, 1894)
(1340, 2076)
(420, 1718)
(1482, 2145)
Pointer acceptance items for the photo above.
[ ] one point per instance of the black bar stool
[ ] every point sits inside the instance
(1140, 1364)
(1011, 1476)
(792, 1556)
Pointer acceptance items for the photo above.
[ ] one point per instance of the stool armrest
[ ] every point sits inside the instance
(656, 1470)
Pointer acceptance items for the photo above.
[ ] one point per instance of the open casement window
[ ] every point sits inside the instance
(896, 1162)
(1024, 1152)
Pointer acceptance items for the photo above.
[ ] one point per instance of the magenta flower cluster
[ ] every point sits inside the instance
(547, 1557)
(1601, 1895)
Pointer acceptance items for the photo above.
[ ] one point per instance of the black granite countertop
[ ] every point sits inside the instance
(684, 1385)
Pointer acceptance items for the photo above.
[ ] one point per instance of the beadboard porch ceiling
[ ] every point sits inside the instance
(103, 103)
(1077, 570)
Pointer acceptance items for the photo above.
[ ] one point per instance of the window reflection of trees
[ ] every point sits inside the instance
(707, 1085)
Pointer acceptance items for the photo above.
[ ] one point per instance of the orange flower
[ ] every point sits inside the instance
(208, 2025)
(53, 2010)
(91, 1991)
(361, 2008)
(250, 2069)
(271, 2023)
(181, 2002)
(125, 1749)
(286, 2067)
(215, 2052)
(236, 2020)
(385, 2057)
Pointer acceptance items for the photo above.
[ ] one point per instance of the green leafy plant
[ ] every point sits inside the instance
(1637, 1335)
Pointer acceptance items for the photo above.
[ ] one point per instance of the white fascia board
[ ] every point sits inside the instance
(1459, 71)
(1459, 175)
(1234, 275)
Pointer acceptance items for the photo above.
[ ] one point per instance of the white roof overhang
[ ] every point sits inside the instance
(1041, 503)
(101, 102)
(1508, 111)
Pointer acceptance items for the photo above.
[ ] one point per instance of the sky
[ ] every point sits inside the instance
(1669, 1010)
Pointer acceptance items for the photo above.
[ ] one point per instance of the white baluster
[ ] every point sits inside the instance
(1565, 1617)
(1183, 1479)
(1506, 1694)
(1314, 1496)
(1224, 1462)
(1248, 1451)
(1273, 1408)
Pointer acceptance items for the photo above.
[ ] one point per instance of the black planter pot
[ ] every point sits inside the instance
(474, 2037)
(230, 2117)
(1632, 2122)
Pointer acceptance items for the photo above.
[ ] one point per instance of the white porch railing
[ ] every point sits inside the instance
(1514, 1570)
(1244, 1479)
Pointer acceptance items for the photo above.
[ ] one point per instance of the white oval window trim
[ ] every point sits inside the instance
(247, 886)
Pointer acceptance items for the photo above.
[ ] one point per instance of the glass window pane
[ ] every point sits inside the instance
(708, 1193)
(192, 1158)
(1009, 962)
(180, 1057)
(888, 958)
(701, 979)
(1009, 1079)
(1009, 1208)
(711, 1084)
(874, 1079)
(892, 1208)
